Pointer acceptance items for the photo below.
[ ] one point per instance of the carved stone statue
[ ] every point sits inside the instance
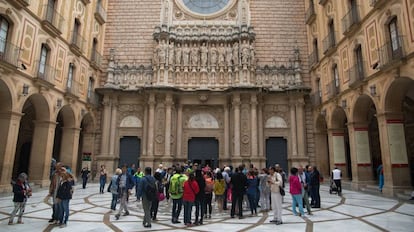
(194, 55)
(229, 55)
(245, 52)
(252, 55)
(171, 56)
(213, 55)
(221, 54)
(178, 53)
(204, 52)
(186, 55)
(236, 53)
(162, 52)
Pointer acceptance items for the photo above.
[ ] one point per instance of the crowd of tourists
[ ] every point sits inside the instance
(187, 186)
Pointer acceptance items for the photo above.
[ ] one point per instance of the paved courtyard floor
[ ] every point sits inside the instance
(354, 211)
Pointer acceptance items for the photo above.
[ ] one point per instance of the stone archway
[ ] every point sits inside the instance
(366, 149)
(34, 143)
(9, 124)
(66, 139)
(86, 143)
(340, 145)
(323, 160)
(399, 121)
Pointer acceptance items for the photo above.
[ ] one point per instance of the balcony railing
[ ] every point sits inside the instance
(77, 43)
(93, 99)
(377, 4)
(96, 60)
(356, 74)
(316, 99)
(52, 20)
(9, 53)
(100, 14)
(391, 52)
(350, 20)
(333, 90)
(19, 4)
(45, 72)
(313, 58)
(322, 2)
(310, 14)
(329, 42)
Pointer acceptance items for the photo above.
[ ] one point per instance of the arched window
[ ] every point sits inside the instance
(75, 34)
(70, 76)
(331, 31)
(335, 73)
(396, 49)
(4, 31)
(50, 10)
(94, 47)
(359, 62)
(91, 84)
(44, 54)
(315, 49)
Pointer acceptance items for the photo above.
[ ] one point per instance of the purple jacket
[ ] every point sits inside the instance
(295, 186)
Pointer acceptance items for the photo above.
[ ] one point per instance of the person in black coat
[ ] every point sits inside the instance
(314, 185)
(199, 200)
(21, 191)
(239, 183)
(64, 195)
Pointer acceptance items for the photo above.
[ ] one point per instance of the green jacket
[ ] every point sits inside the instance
(177, 181)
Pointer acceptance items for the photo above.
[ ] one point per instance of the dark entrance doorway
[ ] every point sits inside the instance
(276, 152)
(129, 150)
(203, 151)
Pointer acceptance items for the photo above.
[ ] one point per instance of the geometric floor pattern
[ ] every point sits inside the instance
(90, 211)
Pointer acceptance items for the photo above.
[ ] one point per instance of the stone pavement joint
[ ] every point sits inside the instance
(90, 211)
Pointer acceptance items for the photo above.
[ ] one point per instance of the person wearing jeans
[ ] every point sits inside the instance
(190, 191)
(296, 191)
(64, 194)
(113, 187)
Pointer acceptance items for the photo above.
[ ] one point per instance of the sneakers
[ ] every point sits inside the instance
(279, 222)
(63, 225)
(10, 223)
(126, 213)
(117, 216)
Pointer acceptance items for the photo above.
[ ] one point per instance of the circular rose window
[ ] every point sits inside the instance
(205, 7)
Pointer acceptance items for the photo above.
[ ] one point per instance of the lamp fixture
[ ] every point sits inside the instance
(25, 90)
(373, 90)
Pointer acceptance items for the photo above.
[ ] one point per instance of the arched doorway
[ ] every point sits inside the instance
(33, 152)
(204, 150)
(399, 123)
(276, 152)
(7, 131)
(321, 146)
(86, 143)
(341, 152)
(366, 138)
(129, 150)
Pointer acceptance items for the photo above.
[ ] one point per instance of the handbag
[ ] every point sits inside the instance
(160, 196)
(282, 191)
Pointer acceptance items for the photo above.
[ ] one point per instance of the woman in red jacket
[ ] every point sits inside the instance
(190, 191)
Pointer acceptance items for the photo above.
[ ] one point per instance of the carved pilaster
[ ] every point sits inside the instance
(236, 112)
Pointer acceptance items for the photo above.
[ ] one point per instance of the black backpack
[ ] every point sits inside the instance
(151, 190)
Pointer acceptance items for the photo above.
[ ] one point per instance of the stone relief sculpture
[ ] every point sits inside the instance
(245, 48)
(162, 52)
(229, 55)
(204, 52)
(253, 60)
(221, 55)
(171, 56)
(186, 55)
(178, 53)
(236, 54)
(194, 55)
(213, 55)
(203, 120)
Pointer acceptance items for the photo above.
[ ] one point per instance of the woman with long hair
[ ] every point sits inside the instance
(190, 191)
(199, 200)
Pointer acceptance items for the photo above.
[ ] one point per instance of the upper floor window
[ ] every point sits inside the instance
(44, 52)
(336, 75)
(70, 75)
(394, 36)
(315, 49)
(4, 31)
(51, 6)
(318, 85)
(359, 62)
(94, 48)
(331, 32)
(76, 29)
(91, 83)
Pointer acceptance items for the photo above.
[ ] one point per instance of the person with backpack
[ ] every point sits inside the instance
(190, 191)
(147, 190)
(199, 200)
(160, 190)
(113, 188)
(208, 194)
(125, 184)
(219, 190)
(176, 193)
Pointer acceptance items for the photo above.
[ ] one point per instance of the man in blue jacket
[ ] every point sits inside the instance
(125, 184)
(146, 182)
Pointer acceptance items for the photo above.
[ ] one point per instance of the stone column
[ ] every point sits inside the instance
(226, 132)
(300, 127)
(69, 147)
(150, 146)
(168, 103)
(41, 152)
(253, 118)
(261, 133)
(112, 139)
(180, 131)
(10, 122)
(106, 119)
(144, 133)
(236, 108)
(292, 106)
